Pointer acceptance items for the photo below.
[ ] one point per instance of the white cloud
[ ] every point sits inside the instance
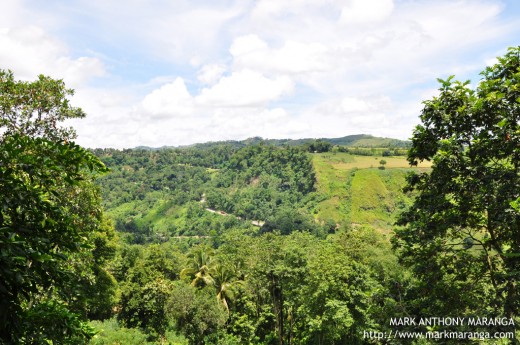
(13, 13)
(30, 51)
(171, 115)
(250, 52)
(248, 122)
(220, 70)
(245, 88)
(366, 11)
(350, 115)
(353, 105)
(173, 31)
(171, 99)
(211, 73)
(248, 45)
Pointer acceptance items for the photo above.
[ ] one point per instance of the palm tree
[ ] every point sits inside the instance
(205, 271)
(201, 264)
(225, 284)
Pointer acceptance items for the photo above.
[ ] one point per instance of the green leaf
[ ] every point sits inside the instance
(502, 123)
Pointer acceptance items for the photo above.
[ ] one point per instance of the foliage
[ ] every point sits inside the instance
(35, 109)
(52, 321)
(50, 216)
(157, 195)
(461, 235)
(318, 146)
(111, 333)
(196, 311)
(287, 220)
(147, 286)
(298, 289)
(267, 283)
(201, 266)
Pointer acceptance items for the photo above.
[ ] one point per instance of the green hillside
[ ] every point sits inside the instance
(358, 191)
(166, 193)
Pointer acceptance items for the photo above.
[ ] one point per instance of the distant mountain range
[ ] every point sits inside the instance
(356, 140)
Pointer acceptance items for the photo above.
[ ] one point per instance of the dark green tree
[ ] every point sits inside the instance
(462, 235)
(197, 313)
(146, 286)
(49, 214)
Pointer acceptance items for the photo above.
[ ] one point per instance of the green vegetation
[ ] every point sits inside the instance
(358, 193)
(54, 240)
(463, 219)
(365, 143)
(220, 244)
(260, 242)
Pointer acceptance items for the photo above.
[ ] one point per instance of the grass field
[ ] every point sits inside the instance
(346, 161)
(357, 192)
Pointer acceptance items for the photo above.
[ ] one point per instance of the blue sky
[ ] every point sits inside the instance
(178, 72)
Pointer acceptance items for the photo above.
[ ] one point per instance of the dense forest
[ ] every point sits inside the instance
(358, 240)
(228, 245)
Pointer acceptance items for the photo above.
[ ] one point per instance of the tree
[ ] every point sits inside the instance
(225, 283)
(338, 297)
(197, 313)
(146, 286)
(318, 146)
(49, 213)
(462, 234)
(35, 109)
(201, 264)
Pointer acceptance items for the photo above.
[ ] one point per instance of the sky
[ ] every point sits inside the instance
(177, 72)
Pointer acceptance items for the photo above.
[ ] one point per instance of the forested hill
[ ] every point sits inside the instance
(164, 192)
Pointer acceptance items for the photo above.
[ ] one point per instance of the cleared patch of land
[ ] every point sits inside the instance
(346, 161)
(357, 191)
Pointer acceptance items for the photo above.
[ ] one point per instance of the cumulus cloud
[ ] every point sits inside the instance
(171, 99)
(292, 58)
(30, 51)
(371, 112)
(245, 88)
(353, 105)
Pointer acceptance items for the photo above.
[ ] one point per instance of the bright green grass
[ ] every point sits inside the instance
(111, 333)
(377, 197)
(332, 182)
(155, 212)
(357, 192)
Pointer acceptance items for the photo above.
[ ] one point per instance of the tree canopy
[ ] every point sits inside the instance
(51, 222)
(462, 233)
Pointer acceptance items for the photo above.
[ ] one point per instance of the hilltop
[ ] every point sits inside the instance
(356, 140)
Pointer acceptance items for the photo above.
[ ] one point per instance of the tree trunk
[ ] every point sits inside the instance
(277, 296)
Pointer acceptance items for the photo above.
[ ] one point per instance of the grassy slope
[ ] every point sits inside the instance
(358, 192)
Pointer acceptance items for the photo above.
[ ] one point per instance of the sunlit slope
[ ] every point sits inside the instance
(358, 191)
